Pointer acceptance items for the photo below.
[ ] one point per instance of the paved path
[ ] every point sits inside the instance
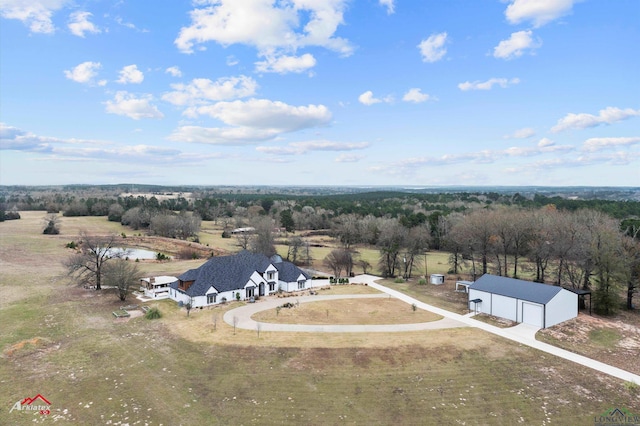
(522, 333)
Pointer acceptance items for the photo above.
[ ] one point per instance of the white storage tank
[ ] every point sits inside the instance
(437, 279)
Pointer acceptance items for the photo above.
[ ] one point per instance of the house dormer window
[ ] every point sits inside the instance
(271, 275)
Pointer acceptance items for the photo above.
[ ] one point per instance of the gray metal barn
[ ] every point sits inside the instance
(540, 305)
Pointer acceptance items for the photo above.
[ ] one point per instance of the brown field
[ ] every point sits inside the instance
(62, 342)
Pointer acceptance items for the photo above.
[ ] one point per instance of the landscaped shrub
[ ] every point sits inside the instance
(398, 280)
(153, 313)
(72, 245)
(422, 281)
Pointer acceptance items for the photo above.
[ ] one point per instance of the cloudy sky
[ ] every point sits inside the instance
(320, 92)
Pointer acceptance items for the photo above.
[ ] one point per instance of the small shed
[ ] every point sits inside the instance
(537, 304)
(463, 286)
(437, 279)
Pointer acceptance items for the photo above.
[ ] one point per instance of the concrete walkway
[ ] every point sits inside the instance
(522, 333)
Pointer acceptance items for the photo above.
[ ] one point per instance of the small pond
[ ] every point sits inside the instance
(131, 253)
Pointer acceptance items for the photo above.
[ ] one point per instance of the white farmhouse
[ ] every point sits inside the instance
(237, 277)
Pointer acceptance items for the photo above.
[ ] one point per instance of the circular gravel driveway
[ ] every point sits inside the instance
(243, 316)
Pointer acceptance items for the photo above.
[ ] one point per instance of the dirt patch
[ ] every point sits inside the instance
(27, 347)
(614, 341)
(493, 320)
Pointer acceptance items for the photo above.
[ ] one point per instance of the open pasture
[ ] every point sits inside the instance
(63, 342)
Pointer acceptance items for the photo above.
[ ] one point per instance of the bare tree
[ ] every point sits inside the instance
(243, 239)
(364, 265)
(121, 274)
(295, 246)
(480, 234)
(51, 224)
(262, 241)
(632, 266)
(95, 251)
(455, 241)
(415, 245)
(390, 243)
(339, 260)
(348, 230)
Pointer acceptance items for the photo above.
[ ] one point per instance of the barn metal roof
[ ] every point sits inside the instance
(518, 289)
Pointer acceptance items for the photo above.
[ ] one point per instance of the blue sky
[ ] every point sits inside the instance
(320, 92)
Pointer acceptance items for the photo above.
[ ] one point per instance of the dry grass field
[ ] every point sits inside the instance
(349, 311)
(62, 342)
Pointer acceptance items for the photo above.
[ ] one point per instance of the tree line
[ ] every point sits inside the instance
(582, 249)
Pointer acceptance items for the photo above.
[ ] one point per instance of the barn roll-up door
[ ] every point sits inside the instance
(532, 314)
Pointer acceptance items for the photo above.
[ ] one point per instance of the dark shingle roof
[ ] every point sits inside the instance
(289, 272)
(226, 273)
(519, 289)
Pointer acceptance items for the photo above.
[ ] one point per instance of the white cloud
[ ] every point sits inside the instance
(389, 5)
(269, 27)
(348, 158)
(129, 25)
(127, 104)
(432, 49)
(221, 136)
(298, 148)
(515, 45)
(84, 72)
(598, 144)
(539, 12)
(608, 115)
(285, 64)
(250, 122)
(232, 61)
(367, 98)
(130, 74)
(488, 85)
(79, 24)
(545, 142)
(415, 95)
(202, 90)
(57, 149)
(524, 133)
(174, 71)
(266, 114)
(36, 14)
(409, 166)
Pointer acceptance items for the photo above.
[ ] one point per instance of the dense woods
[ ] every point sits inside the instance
(578, 242)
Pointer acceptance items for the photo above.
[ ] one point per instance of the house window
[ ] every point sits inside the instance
(301, 284)
(211, 298)
(272, 286)
(271, 275)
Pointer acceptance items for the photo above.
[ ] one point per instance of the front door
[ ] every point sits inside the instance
(261, 289)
